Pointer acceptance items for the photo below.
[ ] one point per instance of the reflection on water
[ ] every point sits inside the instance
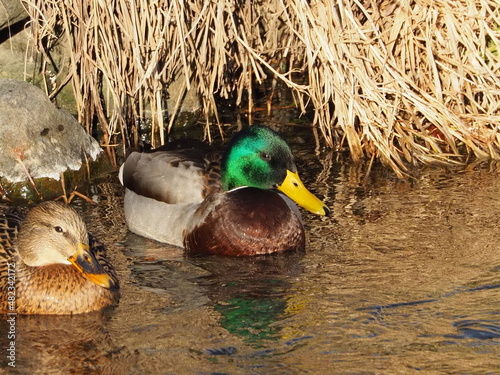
(403, 277)
(250, 294)
(46, 344)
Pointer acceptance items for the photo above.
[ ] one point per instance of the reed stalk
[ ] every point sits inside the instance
(412, 81)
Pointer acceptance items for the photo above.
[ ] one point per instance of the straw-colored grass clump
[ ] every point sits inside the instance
(402, 81)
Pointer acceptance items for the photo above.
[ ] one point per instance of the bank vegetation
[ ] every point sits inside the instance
(404, 82)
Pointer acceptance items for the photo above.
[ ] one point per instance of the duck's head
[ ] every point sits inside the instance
(53, 233)
(259, 157)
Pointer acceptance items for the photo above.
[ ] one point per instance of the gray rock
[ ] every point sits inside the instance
(38, 138)
(18, 60)
(11, 11)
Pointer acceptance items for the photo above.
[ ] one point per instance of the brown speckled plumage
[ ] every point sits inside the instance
(52, 288)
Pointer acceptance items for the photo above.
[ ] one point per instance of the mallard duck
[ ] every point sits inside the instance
(49, 264)
(180, 194)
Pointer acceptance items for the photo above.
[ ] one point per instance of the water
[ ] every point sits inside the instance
(404, 277)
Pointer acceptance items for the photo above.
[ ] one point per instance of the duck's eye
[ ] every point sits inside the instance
(265, 156)
(58, 229)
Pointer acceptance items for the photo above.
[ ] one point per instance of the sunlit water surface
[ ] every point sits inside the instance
(403, 278)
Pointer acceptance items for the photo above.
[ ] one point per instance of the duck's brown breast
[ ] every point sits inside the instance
(245, 221)
(56, 289)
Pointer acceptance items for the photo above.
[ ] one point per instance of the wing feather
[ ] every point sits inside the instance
(176, 176)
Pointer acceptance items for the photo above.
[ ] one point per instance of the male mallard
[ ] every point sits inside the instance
(49, 264)
(182, 196)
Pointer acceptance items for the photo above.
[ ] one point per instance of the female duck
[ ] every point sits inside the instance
(49, 264)
(180, 194)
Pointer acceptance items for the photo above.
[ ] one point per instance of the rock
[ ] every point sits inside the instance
(37, 138)
(15, 61)
(11, 11)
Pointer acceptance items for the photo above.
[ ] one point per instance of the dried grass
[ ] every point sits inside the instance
(405, 82)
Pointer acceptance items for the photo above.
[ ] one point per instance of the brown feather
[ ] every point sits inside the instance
(187, 169)
(69, 291)
(245, 222)
(48, 289)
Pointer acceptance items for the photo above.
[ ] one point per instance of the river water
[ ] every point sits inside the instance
(404, 277)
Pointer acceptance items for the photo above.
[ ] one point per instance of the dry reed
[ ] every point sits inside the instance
(404, 82)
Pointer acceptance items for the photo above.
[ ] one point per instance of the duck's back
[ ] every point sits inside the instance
(9, 227)
(164, 188)
(169, 176)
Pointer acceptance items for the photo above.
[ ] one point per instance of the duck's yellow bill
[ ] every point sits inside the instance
(293, 187)
(87, 264)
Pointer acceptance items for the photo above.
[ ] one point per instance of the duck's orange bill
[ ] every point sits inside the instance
(293, 187)
(87, 264)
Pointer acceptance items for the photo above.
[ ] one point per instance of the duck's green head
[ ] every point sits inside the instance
(259, 157)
